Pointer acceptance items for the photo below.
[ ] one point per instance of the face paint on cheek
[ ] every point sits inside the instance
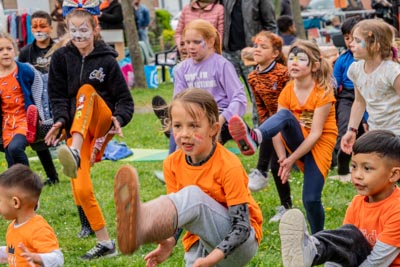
(363, 44)
(82, 33)
(198, 138)
(203, 44)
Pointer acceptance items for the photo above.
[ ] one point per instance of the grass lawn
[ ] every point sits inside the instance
(58, 208)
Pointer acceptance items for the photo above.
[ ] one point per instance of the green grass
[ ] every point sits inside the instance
(58, 208)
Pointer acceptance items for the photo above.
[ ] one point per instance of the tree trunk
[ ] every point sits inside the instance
(296, 13)
(133, 43)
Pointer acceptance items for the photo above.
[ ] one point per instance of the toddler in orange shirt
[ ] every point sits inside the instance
(30, 239)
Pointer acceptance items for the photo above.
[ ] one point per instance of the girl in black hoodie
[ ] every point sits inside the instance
(91, 102)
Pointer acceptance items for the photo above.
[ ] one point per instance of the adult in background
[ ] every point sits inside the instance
(208, 10)
(243, 20)
(111, 17)
(142, 17)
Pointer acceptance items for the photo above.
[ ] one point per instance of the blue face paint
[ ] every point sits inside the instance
(203, 44)
(363, 44)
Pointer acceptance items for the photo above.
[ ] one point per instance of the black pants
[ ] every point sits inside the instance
(268, 158)
(345, 245)
(45, 158)
(344, 101)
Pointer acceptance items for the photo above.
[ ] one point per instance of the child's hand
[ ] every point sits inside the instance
(116, 128)
(347, 142)
(211, 260)
(161, 253)
(51, 137)
(30, 257)
(93, 156)
(285, 168)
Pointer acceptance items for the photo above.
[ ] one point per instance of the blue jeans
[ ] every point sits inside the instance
(15, 151)
(286, 123)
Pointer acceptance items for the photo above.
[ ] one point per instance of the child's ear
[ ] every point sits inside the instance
(395, 175)
(316, 66)
(215, 129)
(16, 202)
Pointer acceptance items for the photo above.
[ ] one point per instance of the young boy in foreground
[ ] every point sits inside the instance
(370, 232)
(30, 239)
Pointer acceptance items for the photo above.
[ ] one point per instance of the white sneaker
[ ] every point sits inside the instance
(297, 246)
(279, 213)
(257, 181)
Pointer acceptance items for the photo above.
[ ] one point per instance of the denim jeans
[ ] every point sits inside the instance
(15, 151)
(203, 216)
(286, 123)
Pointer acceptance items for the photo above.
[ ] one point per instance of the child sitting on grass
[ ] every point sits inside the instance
(30, 239)
(370, 234)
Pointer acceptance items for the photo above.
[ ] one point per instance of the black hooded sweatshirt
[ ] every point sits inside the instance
(69, 71)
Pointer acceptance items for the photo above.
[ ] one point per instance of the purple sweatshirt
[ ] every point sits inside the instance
(218, 76)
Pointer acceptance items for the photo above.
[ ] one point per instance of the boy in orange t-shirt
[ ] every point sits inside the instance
(30, 239)
(370, 234)
(207, 195)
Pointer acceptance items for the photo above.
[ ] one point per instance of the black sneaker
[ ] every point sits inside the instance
(100, 251)
(50, 182)
(70, 160)
(85, 232)
(160, 108)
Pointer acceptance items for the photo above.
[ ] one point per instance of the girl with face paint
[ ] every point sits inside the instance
(207, 69)
(91, 102)
(376, 78)
(304, 126)
(204, 174)
(267, 81)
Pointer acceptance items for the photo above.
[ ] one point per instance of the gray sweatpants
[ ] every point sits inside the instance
(202, 215)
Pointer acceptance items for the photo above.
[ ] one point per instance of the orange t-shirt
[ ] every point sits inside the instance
(37, 236)
(222, 177)
(12, 107)
(323, 148)
(378, 220)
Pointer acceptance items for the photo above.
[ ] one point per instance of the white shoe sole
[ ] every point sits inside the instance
(291, 230)
(68, 162)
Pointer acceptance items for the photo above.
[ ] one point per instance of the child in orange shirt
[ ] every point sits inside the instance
(370, 234)
(305, 125)
(207, 195)
(18, 82)
(30, 239)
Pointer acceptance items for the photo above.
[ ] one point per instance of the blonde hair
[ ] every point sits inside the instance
(378, 36)
(323, 75)
(4, 35)
(207, 30)
(92, 20)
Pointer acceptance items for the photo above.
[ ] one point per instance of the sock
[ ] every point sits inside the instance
(258, 135)
(107, 243)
